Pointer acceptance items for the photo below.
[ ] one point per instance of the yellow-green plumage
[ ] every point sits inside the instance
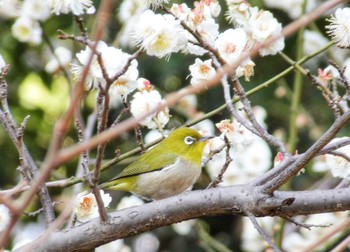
(169, 168)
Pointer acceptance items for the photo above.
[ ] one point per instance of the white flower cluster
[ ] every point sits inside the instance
(85, 207)
(339, 27)
(114, 60)
(250, 154)
(259, 25)
(28, 14)
(145, 101)
(162, 39)
(169, 35)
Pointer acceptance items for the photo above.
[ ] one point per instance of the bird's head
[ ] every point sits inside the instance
(187, 143)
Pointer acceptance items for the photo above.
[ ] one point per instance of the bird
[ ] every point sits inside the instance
(169, 168)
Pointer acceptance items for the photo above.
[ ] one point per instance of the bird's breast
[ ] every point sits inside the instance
(171, 180)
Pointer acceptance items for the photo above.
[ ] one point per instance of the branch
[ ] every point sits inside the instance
(285, 173)
(201, 203)
(16, 135)
(262, 233)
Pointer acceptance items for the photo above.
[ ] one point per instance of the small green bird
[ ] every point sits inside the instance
(169, 168)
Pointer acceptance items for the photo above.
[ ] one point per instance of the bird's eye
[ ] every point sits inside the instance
(189, 140)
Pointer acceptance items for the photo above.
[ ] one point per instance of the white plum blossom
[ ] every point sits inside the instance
(261, 26)
(162, 39)
(28, 30)
(201, 20)
(273, 48)
(339, 27)
(237, 135)
(85, 207)
(181, 11)
(62, 58)
(36, 9)
(201, 71)
(114, 60)
(145, 102)
(339, 166)
(95, 74)
(231, 44)
(208, 29)
(77, 7)
(250, 154)
(238, 12)
(127, 82)
(4, 217)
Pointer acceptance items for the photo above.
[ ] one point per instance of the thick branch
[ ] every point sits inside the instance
(210, 202)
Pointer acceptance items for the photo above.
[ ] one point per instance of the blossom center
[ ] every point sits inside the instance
(86, 204)
(230, 48)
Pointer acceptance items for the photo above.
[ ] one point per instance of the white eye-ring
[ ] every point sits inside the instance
(189, 140)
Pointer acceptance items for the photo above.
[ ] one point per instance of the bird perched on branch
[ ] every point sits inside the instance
(168, 169)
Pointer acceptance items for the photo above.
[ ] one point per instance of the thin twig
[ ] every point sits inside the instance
(262, 233)
(340, 154)
(304, 225)
(303, 159)
(228, 161)
(261, 131)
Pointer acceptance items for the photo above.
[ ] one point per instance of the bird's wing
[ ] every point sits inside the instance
(147, 164)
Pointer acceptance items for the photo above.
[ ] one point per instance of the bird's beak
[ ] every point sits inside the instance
(205, 138)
